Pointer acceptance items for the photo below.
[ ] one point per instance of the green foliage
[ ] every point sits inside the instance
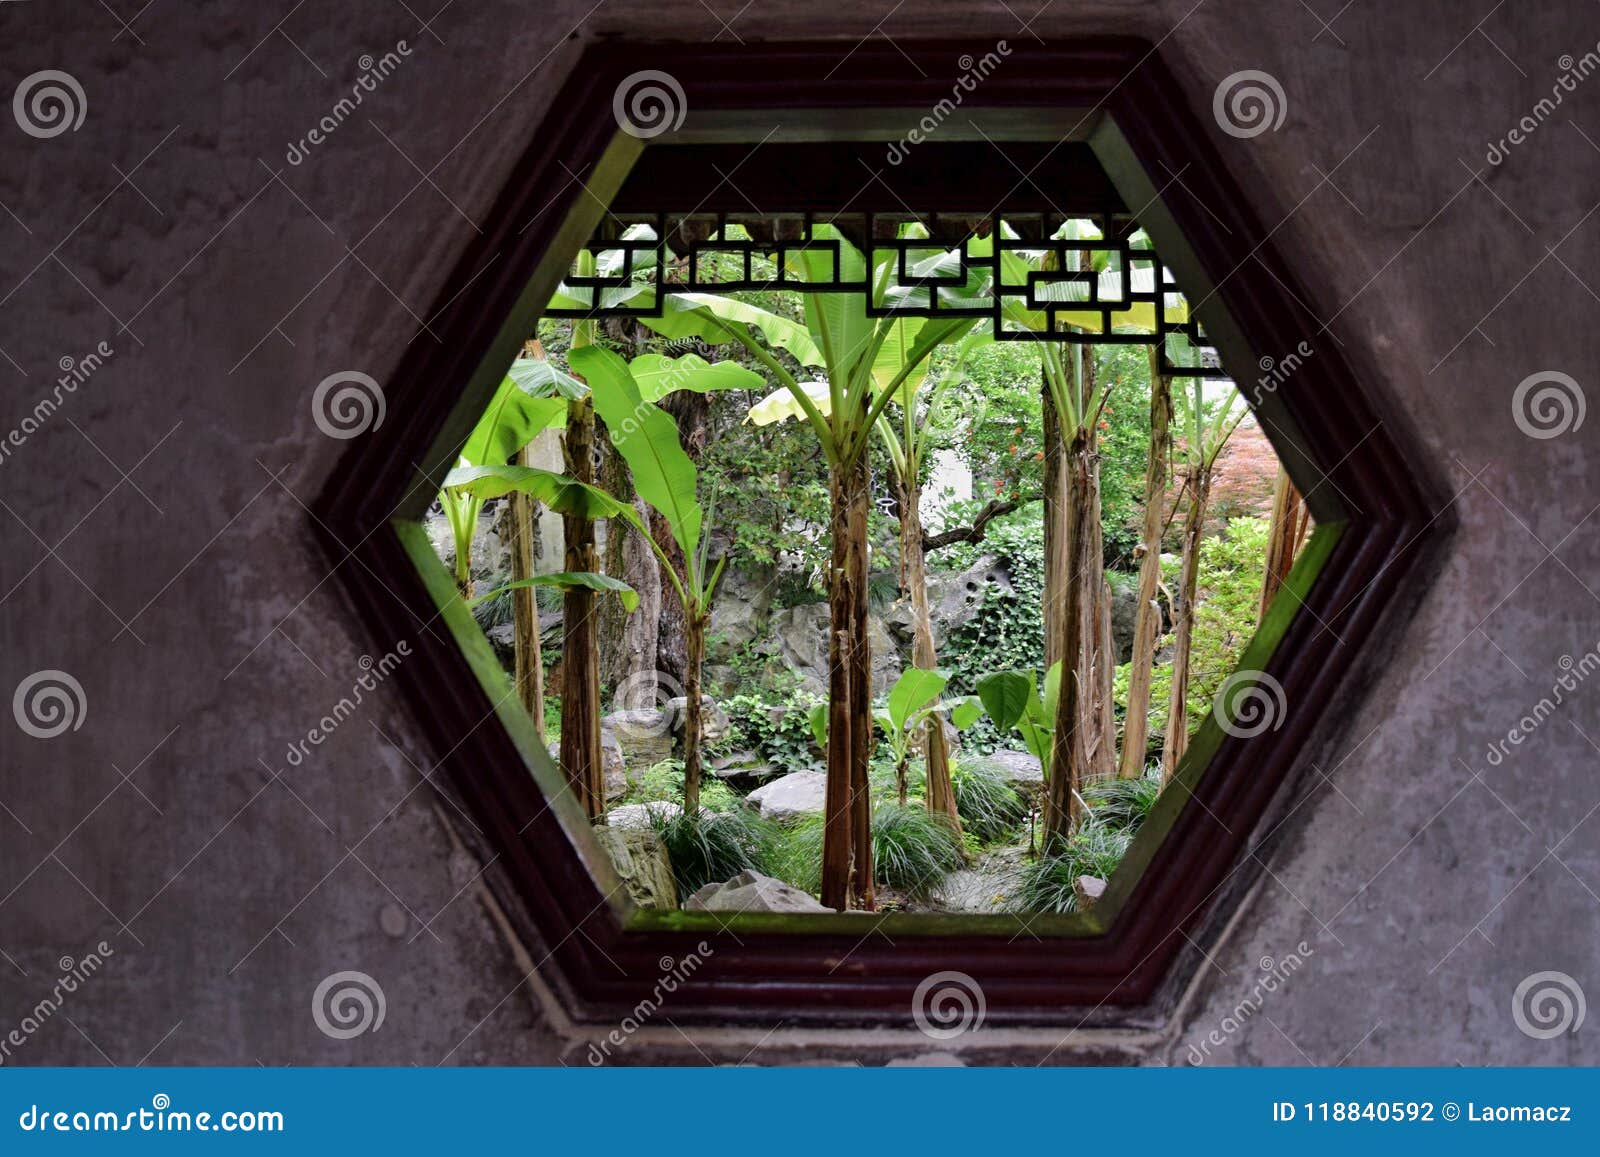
(664, 783)
(778, 731)
(1228, 595)
(1123, 804)
(1095, 850)
(991, 809)
(708, 847)
(1005, 631)
(912, 850)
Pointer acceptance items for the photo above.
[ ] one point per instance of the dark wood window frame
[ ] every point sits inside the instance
(1376, 536)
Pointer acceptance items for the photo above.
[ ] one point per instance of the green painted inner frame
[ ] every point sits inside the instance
(1137, 188)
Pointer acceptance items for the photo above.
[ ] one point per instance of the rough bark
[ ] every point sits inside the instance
(1067, 755)
(627, 641)
(1056, 562)
(529, 669)
(580, 668)
(693, 727)
(941, 794)
(1147, 619)
(1177, 738)
(847, 835)
(1290, 522)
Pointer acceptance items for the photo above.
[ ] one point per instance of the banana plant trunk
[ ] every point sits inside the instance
(941, 794)
(1147, 618)
(1177, 738)
(693, 728)
(847, 833)
(524, 606)
(1290, 522)
(1056, 559)
(1065, 620)
(580, 661)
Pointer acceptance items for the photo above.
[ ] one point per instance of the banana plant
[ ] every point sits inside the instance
(624, 395)
(914, 705)
(1013, 700)
(905, 448)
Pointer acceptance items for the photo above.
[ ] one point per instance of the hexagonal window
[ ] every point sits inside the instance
(877, 527)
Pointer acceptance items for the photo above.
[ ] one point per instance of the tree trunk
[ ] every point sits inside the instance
(1290, 521)
(580, 667)
(1177, 740)
(1067, 755)
(1147, 619)
(693, 729)
(941, 796)
(525, 606)
(847, 834)
(1055, 546)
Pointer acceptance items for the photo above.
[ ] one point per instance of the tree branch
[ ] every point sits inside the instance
(992, 510)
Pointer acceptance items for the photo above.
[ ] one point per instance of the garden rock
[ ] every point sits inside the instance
(800, 638)
(640, 859)
(744, 769)
(613, 764)
(1088, 890)
(739, 615)
(752, 892)
(1019, 767)
(953, 598)
(714, 722)
(636, 816)
(643, 735)
(796, 795)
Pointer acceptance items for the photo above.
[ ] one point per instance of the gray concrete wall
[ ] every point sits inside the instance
(153, 545)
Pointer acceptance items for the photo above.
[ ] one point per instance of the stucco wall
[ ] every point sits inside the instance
(153, 544)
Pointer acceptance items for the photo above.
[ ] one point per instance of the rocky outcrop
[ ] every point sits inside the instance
(613, 764)
(636, 816)
(750, 891)
(641, 862)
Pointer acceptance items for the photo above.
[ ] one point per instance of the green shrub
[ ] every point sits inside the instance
(912, 850)
(991, 809)
(710, 846)
(664, 781)
(778, 731)
(1123, 804)
(1095, 850)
